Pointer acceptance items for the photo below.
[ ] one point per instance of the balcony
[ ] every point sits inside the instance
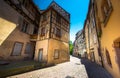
(33, 37)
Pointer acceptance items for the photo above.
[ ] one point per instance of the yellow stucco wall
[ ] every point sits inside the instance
(63, 51)
(110, 32)
(48, 46)
(43, 44)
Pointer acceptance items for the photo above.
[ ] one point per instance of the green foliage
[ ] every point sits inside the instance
(71, 47)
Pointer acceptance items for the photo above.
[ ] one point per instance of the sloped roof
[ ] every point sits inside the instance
(60, 10)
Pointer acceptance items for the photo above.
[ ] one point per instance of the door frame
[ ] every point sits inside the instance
(39, 55)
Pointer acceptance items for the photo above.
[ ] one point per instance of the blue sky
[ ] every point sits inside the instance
(77, 8)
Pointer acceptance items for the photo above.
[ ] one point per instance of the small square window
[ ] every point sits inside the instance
(56, 54)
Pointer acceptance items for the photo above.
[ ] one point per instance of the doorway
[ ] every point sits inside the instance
(40, 55)
(92, 56)
(117, 50)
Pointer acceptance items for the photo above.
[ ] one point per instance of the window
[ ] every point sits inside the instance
(35, 30)
(26, 3)
(58, 19)
(43, 31)
(93, 21)
(108, 58)
(106, 9)
(24, 27)
(117, 44)
(29, 48)
(17, 49)
(56, 54)
(57, 32)
(44, 17)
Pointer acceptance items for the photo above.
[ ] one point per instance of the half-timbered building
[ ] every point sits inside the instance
(53, 41)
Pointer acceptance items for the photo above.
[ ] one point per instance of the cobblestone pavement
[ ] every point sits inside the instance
(72, 69)
(94, 70)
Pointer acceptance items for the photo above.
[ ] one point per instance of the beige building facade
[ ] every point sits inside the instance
(19, 20)
(79, 44)
(92, 42)
(108, 16)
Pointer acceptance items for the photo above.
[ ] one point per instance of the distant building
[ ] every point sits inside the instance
(19, 22)
(79, 44)
(53, 42)
(92, 42)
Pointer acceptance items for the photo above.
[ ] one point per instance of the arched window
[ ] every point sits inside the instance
(108, 58)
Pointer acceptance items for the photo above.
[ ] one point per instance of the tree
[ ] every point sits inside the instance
(71, 47)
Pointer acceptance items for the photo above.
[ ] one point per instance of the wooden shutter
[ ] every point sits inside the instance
(17, 48)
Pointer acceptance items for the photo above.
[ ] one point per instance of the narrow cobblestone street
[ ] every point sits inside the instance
(72, 69)
(94, 70)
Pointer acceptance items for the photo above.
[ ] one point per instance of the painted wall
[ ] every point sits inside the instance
(43, 44)
(63, 51)
(110, 32)
(10, 30)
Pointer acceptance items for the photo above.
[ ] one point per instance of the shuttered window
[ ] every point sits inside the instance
(25, 27)
(106, 8)
(17, 49)
(29, 48)
(43, 31)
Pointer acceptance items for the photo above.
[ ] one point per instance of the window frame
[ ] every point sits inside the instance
(56, 51)
(14, 47)
(106, 9)
(31, 47)
(42, 31)
(57, 32)
(44, 17)
(58, 18)
(25, 26)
